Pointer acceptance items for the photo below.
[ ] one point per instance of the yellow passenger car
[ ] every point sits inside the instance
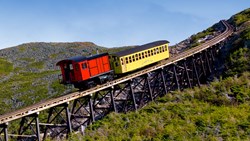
(138, 57)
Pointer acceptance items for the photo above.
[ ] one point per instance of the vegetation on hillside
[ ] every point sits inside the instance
(219, 111)
(241, 17)
(5, 67)
(27, 88)
(215, 112)
(194, 41)
(238, 60)
(29, 74)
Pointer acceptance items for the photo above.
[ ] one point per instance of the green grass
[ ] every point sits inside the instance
(36, 65)
(5, 67)
(194, 114)
(28, 59)
(53, 56)
(27, 88)
(22, 48)
(242, 17)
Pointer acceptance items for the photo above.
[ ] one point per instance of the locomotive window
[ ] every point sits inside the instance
(133, 57)
(70, 66)
(84, 66)
(77, 67)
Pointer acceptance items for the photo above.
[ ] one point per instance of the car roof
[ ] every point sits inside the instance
(81, 58)
(140, 48)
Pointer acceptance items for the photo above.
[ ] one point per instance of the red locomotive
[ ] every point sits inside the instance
(76, 70)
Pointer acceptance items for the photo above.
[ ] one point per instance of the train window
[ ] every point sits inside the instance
(130, 59)
(139, 56)
(160, 49)
(166, 47)
(142, 54)
(126, 58)
(136, 57)
(116, 64)
(163, 49)
(146, 54)
(122, 60)
(84, 66)
(133, 58)
(152, 52)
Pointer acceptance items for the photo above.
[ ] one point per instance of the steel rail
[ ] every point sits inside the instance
(43, 105)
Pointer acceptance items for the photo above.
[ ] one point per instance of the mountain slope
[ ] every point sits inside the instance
(219, 111)
(28, 73)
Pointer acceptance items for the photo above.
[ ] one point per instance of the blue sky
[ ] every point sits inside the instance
(109, 23)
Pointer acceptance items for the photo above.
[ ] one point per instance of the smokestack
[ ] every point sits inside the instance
(97, 51)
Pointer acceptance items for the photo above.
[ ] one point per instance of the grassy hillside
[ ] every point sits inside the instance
(29, 73)
(238, 60)
(215, 112)
(219, 111)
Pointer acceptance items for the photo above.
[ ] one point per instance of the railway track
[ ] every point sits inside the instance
(43, 105)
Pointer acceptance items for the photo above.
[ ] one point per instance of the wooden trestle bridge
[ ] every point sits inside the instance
(74, 111)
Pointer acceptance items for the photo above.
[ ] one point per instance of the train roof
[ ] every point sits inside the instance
(140, 48)
(81, 58)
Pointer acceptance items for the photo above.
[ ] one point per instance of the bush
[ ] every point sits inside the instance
(238, 62)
